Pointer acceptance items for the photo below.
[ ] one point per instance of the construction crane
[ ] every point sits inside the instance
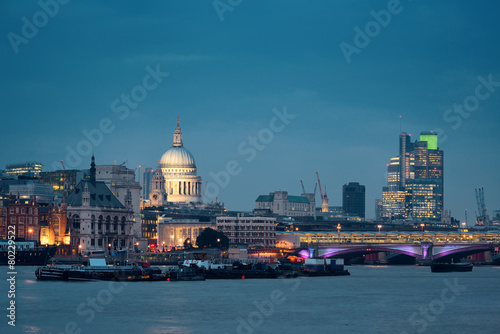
(483, 218)
(319, 183)
(324, 200)
(62, 163)
(303, 188)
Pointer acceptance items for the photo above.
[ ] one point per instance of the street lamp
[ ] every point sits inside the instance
(30, 231)
(422, 226)
(80, 249)
(338, 230)
(379, 227)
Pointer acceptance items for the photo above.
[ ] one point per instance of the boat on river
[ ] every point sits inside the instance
(451, 267)
(25, 253)
(98, 270)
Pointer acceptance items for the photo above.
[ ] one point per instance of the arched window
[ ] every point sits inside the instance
(115, 223)
(99, 222)
(123, 225)
(75, 221)
(108, 223)
(92, 222)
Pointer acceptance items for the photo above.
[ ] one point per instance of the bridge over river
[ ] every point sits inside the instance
(424, 247)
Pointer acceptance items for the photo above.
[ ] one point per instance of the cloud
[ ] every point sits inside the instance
(171, 58)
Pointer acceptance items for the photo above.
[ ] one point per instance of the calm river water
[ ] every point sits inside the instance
(374, 299)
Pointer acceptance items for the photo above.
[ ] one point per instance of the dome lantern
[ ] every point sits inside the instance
(177, 135)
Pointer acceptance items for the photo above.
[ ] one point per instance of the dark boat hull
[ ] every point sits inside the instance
(322, 273)
(240, 274)
(450, 267)
(34, 257)
(99, 274)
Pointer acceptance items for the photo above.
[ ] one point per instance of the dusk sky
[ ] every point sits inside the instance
(233, 68)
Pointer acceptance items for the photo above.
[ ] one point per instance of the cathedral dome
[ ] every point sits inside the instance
(177, 157)
(180, 181)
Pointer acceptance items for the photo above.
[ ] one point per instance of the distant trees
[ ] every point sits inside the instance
(188, 244)
(211, 238)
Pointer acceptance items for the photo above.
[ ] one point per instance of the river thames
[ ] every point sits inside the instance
(374, 299)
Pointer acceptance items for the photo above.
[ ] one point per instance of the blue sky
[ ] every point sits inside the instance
(227, 76)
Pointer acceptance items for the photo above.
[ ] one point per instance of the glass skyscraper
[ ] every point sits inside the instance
(415, 187)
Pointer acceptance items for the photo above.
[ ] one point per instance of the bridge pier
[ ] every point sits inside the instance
(427, 257)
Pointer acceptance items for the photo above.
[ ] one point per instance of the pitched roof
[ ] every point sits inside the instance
(298, 199)
(265, 198)
(291, 199)
(100, 195)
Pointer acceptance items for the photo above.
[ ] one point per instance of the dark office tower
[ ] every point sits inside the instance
(353, 199)
(405, 158)
(58, 178)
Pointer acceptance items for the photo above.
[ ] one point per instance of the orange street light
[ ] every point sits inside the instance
(379, 227)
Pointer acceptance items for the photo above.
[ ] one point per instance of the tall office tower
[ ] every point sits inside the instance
(393, 195)
(353, 199)
(378, 209)
(393, 173)
(415, 180)
(405, 158)
(426, 191)
(145, 176)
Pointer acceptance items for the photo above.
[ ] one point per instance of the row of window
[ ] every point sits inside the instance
(22, 210)
(30, 220)
(251, 234)
(245, 227)
(253, 241)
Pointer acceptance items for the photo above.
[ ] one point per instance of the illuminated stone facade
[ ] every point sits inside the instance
(253, 231)
(174, 232)
(97, 219)
(282, 204)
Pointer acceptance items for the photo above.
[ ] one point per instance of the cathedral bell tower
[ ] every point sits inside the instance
(158, 196)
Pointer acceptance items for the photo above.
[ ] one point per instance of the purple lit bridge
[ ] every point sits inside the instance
(422, 252)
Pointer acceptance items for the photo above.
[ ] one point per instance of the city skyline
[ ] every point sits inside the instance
(239, 82)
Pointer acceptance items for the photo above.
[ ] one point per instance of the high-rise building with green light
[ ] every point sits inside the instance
(415, 180)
